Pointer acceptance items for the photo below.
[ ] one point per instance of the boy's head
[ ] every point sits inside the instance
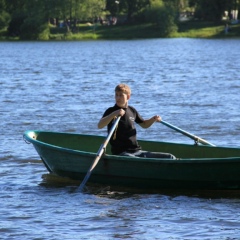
(124, 88)
(122, 95)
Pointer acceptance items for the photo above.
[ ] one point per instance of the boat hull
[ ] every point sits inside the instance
(72, 160)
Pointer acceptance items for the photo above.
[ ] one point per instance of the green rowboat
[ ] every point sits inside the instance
(198, 166)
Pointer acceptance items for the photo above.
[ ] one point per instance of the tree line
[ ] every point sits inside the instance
(30, 19)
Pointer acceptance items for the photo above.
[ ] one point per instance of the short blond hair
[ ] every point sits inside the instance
(123, 88)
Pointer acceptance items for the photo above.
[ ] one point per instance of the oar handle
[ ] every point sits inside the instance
(99, 153)
(195, 138)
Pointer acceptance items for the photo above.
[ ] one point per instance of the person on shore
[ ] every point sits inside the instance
(226, 28)
(124, 140)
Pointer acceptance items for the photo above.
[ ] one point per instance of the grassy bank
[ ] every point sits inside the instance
(142, 31)
(207, 30)
(185, 29)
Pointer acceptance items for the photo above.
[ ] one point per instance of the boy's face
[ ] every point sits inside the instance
(121, 99)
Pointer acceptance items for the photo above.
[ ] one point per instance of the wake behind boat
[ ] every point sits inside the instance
(198, 167)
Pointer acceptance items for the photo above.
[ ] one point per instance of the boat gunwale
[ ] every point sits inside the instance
(33, 141)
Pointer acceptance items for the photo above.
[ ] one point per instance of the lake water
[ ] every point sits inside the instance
(193, 84)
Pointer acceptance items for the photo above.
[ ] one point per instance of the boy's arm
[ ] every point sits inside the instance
(148, 123)
(106, 120)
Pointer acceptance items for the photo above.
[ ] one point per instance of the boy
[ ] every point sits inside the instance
(124, 141)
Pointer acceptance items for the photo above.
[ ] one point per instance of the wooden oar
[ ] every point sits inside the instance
(195, 138)
(99, 154)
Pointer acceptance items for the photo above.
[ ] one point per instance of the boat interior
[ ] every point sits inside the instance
(92, 143)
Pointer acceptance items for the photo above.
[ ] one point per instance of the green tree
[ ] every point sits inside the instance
(4, 15)
(213, 10)
(129, 7)
(27, 16)
(4, 19)
(31, 22)
(163, 16)
(92, 9)
(114, 6)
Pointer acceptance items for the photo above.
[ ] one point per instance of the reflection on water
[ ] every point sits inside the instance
(51, 180)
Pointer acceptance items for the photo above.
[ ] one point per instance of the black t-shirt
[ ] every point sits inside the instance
(125, 131)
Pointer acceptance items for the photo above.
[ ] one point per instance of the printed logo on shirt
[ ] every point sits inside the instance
(131, 119)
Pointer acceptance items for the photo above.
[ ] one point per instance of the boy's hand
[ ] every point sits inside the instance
(157, 118)
(121, 112)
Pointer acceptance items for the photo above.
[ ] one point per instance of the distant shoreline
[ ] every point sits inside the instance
(189, 29)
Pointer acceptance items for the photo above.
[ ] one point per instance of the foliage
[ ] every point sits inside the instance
(164, 17)
(29, 18)
(213, 10)
(130, 8)
(94, 8)
(14, 28)
(34, 29)
(76, 9)
(4, 19)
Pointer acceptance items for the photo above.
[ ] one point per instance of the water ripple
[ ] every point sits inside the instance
(68, 88)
